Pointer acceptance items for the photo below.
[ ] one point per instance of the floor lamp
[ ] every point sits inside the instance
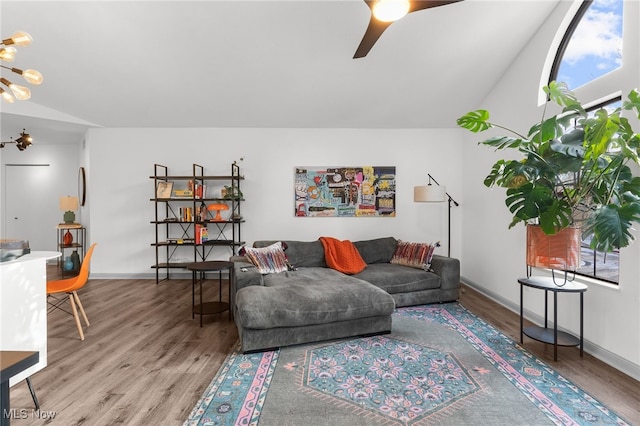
(435, 194)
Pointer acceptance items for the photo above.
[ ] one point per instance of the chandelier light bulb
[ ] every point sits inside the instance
(6, 96)
(19, 38)
(8, 54)
(390, 10)
(20, 92)
(32, 76)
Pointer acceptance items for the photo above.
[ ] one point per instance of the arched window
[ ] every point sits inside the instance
(592, 45)
(590, 48)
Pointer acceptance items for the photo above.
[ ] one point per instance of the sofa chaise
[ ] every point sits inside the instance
(313, 302)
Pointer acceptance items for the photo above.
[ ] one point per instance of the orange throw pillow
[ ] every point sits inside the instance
(342, 256)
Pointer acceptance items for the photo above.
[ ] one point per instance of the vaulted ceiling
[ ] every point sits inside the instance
(258, 63)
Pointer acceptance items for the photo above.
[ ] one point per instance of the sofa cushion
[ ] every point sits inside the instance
(304, 303)
(379, 250)
(306, 275)
(399, 279)
(415, 255)
(300, 253)
(268, 260)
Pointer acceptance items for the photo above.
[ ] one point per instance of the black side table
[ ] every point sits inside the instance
(544, 334)
(210, 308)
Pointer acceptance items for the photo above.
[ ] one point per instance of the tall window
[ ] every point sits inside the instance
(598, 264)
(592, 46)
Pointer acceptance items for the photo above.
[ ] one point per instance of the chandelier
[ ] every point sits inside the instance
(22, 143)
(8, 54)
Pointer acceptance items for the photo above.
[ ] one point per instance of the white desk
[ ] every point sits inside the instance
(23, 307)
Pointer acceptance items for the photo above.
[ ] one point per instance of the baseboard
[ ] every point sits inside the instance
(604, 355)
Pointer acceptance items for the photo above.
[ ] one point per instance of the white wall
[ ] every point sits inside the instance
(493, 256)
(61, 180)
(121, 162)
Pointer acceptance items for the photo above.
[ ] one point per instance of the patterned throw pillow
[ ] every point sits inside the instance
(268, 260)
(415, 255)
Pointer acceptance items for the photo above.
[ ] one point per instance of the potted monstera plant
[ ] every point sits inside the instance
(573, 169)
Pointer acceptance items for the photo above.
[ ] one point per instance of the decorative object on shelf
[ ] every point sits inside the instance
(8, 54)
(574, 169)
(82, 186)
(75, 260)
(217, 207)
(68, 205)
(164, 189)
(231, 193)
(67, 239)
(436, 194)
(23, 142)
(68, 264)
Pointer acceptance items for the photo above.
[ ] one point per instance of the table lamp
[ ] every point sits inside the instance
(68, 205)
(217, 207)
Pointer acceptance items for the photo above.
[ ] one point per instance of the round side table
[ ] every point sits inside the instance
(545, 334)
(215, 307)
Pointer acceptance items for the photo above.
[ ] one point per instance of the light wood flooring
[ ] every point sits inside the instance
(145, 361)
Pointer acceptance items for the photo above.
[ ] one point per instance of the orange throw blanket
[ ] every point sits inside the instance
(342, 256)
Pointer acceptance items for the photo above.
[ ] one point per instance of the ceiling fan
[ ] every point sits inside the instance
(377, 26)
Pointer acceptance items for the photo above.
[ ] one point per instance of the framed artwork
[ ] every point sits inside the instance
(164, 189)
(358, 191)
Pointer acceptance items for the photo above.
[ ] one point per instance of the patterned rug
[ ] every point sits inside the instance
(440, 365)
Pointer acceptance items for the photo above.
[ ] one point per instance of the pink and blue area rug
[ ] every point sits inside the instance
(440, 365)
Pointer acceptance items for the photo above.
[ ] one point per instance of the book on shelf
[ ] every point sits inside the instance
(164, 189)
(202, 234)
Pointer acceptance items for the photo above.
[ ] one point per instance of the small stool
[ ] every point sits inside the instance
(210, 308)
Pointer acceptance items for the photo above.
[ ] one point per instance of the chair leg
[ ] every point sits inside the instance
(84, 315)
(75, 315)
(33, 393)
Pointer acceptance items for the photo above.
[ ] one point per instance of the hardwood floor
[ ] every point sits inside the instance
(145, 361)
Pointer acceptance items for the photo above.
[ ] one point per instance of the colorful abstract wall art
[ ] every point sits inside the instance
(345, 191)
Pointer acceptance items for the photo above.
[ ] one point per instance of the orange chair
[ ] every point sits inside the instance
(70, 286)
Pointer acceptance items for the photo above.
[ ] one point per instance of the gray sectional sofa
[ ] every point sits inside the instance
(315, 302)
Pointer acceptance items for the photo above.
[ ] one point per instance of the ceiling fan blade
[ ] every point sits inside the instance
(376, 28)
(371, 35)
(415, 5)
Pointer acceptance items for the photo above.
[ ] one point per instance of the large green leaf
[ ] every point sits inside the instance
(611, 226)
(560, 93)
(633, 102)
(531, 201)
(475, 121)
(502, 142)
(632, 185)
(599, 132)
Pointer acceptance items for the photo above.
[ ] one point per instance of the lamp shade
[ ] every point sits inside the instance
(429, 194)
(68, 203)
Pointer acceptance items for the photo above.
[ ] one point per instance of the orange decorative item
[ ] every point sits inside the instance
(217, 207)
(67, 239)
(558, 251)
